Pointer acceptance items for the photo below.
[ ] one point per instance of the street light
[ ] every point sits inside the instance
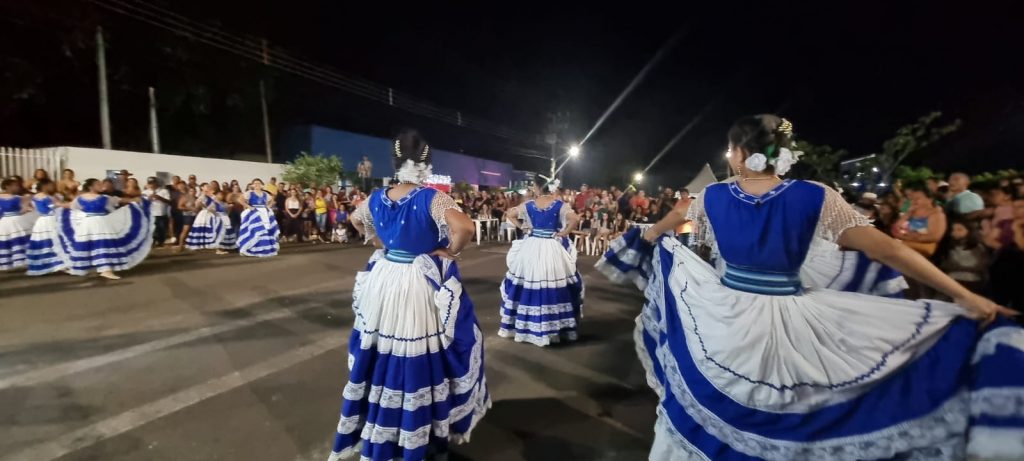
(574, 151)
(639, 176)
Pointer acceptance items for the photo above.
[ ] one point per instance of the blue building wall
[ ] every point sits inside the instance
(351, 147)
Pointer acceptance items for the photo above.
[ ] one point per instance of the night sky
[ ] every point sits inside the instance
(846, 76)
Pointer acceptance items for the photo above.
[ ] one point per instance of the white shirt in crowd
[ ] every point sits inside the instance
(158, 208)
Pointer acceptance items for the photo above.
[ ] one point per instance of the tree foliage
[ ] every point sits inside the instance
(820, 162)
(911, 139)
(313, 169)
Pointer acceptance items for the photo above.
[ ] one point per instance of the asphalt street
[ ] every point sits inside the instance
(206, 357)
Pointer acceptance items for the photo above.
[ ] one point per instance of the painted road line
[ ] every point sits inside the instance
(97, 432)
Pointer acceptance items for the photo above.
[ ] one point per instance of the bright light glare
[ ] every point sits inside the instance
(882, 184)
(728, 154)
(638, 177)
(874, 169)
(856, 184)
(574, 151)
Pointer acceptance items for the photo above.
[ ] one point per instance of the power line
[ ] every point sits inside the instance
(255, 49)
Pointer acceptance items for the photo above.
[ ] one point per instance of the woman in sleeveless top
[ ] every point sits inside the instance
(416, 373)
(45, 255)
(104, 234)
(542, 294)
(750, 363)
(16, 221)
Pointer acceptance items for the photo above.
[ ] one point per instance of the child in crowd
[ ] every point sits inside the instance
(966, 260)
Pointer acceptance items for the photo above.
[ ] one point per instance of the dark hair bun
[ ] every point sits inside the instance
(765, 133)
(410, 145)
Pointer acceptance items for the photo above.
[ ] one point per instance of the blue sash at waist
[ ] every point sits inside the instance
(543, 233)
(761, 282)
(399, 256)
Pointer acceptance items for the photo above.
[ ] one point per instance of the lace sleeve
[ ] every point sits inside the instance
(524, 216)
(364, 216)
(441, 203)
(701, 233)
(837, 216)
(564, 214)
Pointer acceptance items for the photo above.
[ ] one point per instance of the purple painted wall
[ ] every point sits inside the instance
(351, 147)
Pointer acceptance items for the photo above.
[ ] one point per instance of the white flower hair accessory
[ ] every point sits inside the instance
(552, 185)
(786, 159)
(756, 162)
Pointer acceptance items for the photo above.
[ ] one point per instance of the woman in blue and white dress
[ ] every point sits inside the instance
(16, 220)
(750, 364)
(229, 238)
(45, 255)
(542, 294)
(208, 227)
(258, 232)
(104, 234)
(416, 371)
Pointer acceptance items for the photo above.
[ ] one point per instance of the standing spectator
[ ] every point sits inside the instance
(271, 187)
(293, 217)
(121, 180)
(308, 215)
(160, 206)
(886, 217)
(639, 201)
(924, 224)
(68, 187)
(666, 203)
(320, 207)
(1002, 234)
(188, 207)
(966, 260)
(131, 189)
(107, 187)
(963, 202)
(921, 229)
(40, 175)
(340, 234)
(365, 172)
(193, 185)
(582, 200)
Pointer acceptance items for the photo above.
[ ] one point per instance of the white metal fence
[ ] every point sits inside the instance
(24, 162)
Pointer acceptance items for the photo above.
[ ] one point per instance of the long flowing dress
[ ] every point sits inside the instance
(97, 236)
(416, 369)
(229, 239)
(750, 364)
(15, 232)
(542, 294)
(45, 255)
(207, 229)
(258, 232)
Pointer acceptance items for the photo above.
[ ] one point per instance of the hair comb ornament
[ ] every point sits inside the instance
(785, 127)
(398, 148)
(426, 151)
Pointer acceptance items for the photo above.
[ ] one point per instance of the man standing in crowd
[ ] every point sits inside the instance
(963, 202)
(160, 206)
(583, 198)
(625, 201)
(121, 180)
(271, 187)
(365, 172)
(639, 201)
(192, 184)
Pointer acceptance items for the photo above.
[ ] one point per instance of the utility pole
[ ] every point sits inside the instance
(263, 103)
(101, 64)
(154, 131)
(559, 123)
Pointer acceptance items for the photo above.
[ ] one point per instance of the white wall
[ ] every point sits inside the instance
(94, 163)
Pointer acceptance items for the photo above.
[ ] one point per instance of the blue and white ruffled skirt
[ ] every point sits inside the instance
(116, 241)
(416, 362)
(823, 375)
(15, 233)
(258, 233)
(45, 254)
(207, 231)
(542, 294)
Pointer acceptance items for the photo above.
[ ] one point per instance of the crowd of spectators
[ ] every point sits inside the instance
(974, 232)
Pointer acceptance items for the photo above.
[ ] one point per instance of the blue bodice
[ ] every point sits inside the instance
(405, 226)
(44, 205)
(10, 206)
(258, 200)
(547, 219)
(97, 206)
(763, 240)
(220, 207)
